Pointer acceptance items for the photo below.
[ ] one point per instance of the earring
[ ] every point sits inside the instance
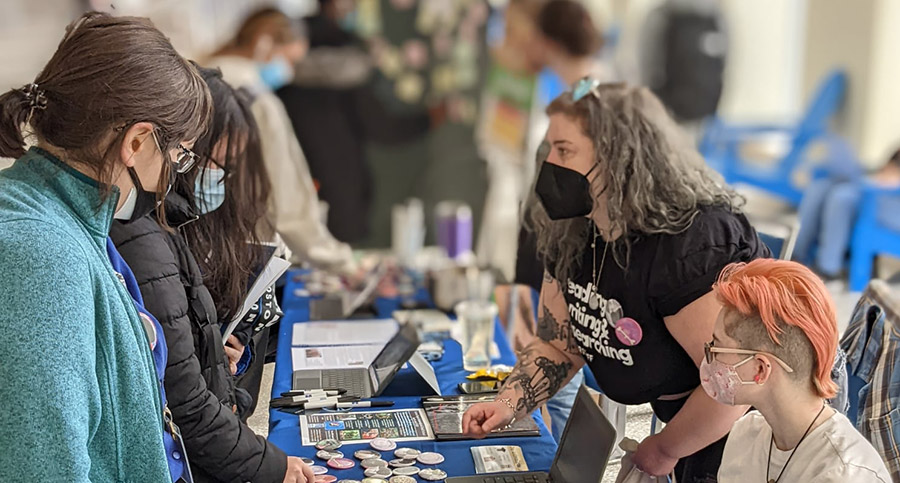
(756, 378)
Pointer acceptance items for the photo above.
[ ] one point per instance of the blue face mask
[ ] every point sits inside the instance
(276, 73)
(209, 189)
(348, 22)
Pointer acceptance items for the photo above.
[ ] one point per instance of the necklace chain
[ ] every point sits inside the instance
(769, 463)
(595, 274)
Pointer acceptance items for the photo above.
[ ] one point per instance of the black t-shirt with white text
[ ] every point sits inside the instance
(618, 327)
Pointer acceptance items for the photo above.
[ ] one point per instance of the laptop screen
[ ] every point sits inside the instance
(396, 353)
(585, 445)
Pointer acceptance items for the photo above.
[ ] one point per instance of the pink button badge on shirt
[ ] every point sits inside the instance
(629, 332)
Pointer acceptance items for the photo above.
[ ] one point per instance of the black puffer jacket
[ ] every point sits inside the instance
(198, 382)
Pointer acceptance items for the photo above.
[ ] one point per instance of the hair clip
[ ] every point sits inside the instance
(584, 87)
(36, 97)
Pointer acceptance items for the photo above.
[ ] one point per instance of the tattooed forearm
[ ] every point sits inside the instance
(536, 378)
(549, 329)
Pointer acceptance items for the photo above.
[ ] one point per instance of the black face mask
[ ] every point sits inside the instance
(563, 192)
(146, 201)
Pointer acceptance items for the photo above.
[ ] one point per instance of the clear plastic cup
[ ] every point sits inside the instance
(477, 321)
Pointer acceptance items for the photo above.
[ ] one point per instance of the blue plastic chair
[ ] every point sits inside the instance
(871, 237)
(721, 143)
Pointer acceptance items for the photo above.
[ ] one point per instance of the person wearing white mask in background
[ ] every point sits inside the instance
(261, 59)
(773, 347)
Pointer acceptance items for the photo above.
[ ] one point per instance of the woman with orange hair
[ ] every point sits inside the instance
(773, 347)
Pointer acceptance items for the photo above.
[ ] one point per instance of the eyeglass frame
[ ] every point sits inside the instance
(709, 350)
(180, 165)
(186, 159)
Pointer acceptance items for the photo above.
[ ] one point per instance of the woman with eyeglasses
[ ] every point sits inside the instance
(109, 114)
(633, 229)
(195, 276)
(772, 348)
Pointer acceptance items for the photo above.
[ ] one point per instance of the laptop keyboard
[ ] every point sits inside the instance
(349, 380)
(523, 478)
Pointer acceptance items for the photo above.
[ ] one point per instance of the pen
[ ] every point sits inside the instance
(309, 403)
(307, 392)
(365, 404)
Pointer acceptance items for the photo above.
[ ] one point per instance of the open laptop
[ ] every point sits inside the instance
(364, 382)
(583, 453)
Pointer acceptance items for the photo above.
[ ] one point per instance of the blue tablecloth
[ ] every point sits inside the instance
(406, 391)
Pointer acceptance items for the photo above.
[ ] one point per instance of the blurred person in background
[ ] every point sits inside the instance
(261, 58)
(214, 211)
(772, 349)
(828, 212)
(113, 114)
(321, 102)
(418, 110)
(633, 229)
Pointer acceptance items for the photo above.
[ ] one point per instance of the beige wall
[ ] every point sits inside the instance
(839, 34)
(882, 118)
(763, 73)
(862, 37)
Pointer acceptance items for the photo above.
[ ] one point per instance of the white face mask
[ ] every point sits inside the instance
(209, 189)
(721, 381)
(127, 208)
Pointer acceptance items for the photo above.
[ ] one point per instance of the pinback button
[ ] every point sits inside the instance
(433, 475)
(307, 461)
(379, 472)
(374, 480)
(402, 463)
(318, 470)
(329, 444)
(349, 481)
(402, 479)
(430, 458)
(325, 479)
(406, 453)
(341, 463)
(374, 463)
(326, 454)
(365, 454)
(382, 444)
(407, 471)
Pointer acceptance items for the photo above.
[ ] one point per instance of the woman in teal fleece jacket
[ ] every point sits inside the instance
(114, 111)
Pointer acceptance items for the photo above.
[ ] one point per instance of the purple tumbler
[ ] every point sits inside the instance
(454, 228)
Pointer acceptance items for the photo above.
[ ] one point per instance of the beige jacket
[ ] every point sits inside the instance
(294, 205)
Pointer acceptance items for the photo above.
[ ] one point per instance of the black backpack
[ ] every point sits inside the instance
(695, 46)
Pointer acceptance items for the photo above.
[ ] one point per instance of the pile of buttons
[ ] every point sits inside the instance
(399, 469)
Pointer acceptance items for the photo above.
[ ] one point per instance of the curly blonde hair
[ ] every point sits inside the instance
(654, 179)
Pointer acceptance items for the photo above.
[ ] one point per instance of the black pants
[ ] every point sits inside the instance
(700, 467)
(251, 379)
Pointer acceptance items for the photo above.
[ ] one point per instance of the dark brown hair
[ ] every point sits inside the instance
(568, 23)
(225, 242)
(107, 73)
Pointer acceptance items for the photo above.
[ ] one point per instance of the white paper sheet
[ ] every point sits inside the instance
(344, 333)
(334, 357)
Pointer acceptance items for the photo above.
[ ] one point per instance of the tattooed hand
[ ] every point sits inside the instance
(536, 379)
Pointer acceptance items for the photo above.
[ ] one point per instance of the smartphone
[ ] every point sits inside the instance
(479, 387)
